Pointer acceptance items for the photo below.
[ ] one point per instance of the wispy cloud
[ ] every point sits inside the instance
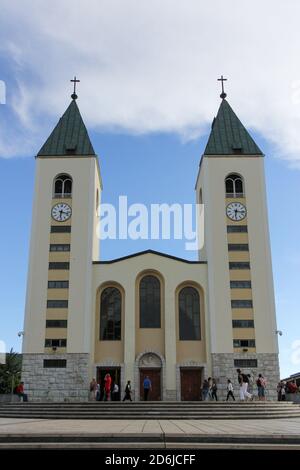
(151, 66)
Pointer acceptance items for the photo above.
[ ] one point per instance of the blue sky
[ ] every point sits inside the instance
(148, 93)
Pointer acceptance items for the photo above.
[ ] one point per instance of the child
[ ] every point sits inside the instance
(229, 390)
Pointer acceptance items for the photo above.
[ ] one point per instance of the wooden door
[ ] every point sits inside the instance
(154, 376)
(190, 384)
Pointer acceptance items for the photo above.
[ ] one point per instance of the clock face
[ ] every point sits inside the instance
(236, 211)
(61, 212)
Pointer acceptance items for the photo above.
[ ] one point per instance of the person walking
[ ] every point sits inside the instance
(107, 387)
(127, 391)
(229, 390)
(261, 386)
(243, 380)
(93, 389)
(20, 392)
(147, 387)
(214, 389)
(209, 395)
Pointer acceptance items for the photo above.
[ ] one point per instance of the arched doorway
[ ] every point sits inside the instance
(150, 366)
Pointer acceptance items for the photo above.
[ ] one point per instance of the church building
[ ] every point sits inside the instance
(148, 314)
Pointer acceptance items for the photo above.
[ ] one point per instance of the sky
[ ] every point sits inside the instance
(148, 92)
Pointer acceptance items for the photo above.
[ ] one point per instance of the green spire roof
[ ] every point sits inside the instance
(228, 135)
(69, 136)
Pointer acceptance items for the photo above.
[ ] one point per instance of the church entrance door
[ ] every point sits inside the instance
(190, 384)
(154, 376)
(115, 378)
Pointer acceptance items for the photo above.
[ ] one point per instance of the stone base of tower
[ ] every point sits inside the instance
(70, 383)
(224, 368)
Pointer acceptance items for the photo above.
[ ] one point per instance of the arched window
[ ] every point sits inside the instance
(110, 314)
(234, 186)
(149, 302)
(189, 314)
(63, 186)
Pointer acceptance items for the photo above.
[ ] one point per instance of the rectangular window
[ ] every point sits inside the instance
(55, 343)
(238, 247)
(60, 228)
(243, 323)
(56, 323)
(59, 247)
(241, 304)
(245, 363)
(58, 284)
(239, 265)
(244, 343)
(59, 265)
(55, 363)
(240, 284)
(57, 304)
(237, 228)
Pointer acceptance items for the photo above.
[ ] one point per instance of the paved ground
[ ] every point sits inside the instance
(157, 433)
(253, 427)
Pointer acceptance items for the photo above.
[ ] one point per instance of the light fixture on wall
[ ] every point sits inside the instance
(278, 332)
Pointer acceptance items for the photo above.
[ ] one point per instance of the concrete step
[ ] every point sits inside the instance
(157, 410)
(152, 440)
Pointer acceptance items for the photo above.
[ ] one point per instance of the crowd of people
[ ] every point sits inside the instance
(245, 381)
(284, 387)
(109, 390)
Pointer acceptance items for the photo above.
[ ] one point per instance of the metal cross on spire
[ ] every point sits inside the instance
(74, 96)
(222, 80)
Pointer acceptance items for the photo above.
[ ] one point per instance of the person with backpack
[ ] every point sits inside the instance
(261, 386)
(229, 390)
(243, 380)
(214, 389)
(127, 391)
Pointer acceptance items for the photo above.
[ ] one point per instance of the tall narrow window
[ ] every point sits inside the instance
(189, 314)
(234, 186)
(110, 314)
(62, 186)
(149, 302)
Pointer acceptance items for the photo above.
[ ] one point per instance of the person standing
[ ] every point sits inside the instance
(229, 390)
(107, 387)
(243, 380)
(205, 388)
(127, 391)
(115, 392)
(147, 387)
(214, 389)
(93, 389)
(20, 392)
(261, 386)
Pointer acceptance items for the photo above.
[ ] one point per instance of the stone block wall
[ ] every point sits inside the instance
(56, 384)
(267, 364)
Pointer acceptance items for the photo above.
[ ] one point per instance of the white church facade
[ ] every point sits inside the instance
(175, 320)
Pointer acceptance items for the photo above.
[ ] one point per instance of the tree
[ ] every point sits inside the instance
(10, 372)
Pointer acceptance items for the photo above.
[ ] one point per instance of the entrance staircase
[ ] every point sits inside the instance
(150, 410)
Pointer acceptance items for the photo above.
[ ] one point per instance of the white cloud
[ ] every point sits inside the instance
(152, 66)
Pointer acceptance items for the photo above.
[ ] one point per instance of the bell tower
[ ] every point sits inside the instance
(231, 185)
(58, 319)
